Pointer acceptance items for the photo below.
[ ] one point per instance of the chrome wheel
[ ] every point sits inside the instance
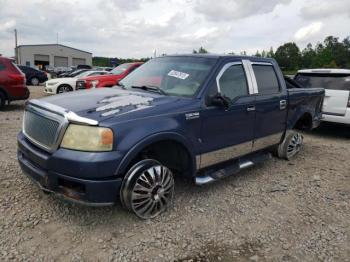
(64, 89)
(294, 145)
(148, 189)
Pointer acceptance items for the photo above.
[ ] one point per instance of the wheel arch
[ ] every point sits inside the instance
(156, 139)
(64, 84)
(3, 90)
(303, 122)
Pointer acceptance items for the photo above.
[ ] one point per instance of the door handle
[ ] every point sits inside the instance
(283, 104)
(250, 108)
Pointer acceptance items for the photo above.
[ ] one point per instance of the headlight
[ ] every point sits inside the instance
(94, 83)
(88, 138)
(51, 83)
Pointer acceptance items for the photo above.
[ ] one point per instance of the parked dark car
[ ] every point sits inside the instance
(12, 82)
(204, 117)
(84, 67)
(33, 76)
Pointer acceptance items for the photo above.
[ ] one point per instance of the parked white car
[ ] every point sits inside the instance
(67, 84)
(336, 82)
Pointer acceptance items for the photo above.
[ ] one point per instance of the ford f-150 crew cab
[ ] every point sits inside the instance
(204, 117)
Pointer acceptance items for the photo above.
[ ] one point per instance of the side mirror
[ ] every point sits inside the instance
(219, 100)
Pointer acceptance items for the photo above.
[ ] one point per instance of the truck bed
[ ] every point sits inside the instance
(306, 101)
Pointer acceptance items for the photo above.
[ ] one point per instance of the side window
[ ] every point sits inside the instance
(266, 79)
(2, 66)
(233, 82)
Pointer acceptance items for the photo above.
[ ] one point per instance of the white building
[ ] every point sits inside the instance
(52, 55)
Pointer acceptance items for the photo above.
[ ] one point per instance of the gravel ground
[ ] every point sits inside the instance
(295, 210)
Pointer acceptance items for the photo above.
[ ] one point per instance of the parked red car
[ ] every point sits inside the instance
(12, 82)
(108, 80)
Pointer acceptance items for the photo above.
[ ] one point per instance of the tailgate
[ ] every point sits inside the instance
(335, 102)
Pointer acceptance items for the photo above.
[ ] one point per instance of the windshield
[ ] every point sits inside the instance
(179, 76)
(326, 81)
(86, 73)
(120, 69)
(77, 74)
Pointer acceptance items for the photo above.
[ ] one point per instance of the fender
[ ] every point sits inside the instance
(136, 149)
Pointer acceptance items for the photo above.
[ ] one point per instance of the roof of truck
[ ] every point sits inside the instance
(210, 55)
(325, 71)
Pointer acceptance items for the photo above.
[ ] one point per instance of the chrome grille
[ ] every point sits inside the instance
(41, 130)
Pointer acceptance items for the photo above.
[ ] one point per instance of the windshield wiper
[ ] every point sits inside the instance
(121, 85)
(150, 88)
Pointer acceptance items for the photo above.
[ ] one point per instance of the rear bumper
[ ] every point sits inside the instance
(345, 119)
(46, 171)
(23, 96)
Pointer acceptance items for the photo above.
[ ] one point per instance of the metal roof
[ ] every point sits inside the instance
(325, 71)
(57, 45)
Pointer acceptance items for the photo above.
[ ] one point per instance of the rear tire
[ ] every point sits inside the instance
(34, 81)
(64, 89)
(148, 189)
(291, 145)
(2, 100)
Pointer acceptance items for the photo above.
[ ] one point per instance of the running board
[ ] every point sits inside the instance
(212, 175)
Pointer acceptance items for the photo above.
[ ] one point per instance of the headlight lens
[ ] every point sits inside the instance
(88, 138)
(51, 83)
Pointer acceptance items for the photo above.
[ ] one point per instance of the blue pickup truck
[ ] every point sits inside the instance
(203, 117)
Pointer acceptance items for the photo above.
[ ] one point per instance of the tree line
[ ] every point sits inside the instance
(331, 53)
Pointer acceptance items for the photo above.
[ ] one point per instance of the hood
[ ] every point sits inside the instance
(101, 77)
(63, 79)
(103, 103)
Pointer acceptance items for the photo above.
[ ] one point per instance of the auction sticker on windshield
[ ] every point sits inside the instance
(178, 74)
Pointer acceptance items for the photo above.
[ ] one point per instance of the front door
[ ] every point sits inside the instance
(227, 132)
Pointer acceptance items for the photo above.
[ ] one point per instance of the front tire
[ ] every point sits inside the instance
(64, 89)
(291, 145)
(148, 189)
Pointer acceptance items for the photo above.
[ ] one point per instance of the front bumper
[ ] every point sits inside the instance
(50, 89)
(86, 179)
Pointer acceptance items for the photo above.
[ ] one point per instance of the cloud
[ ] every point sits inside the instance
(133, 28)
(308, 32)
(325, 9)
(224, 10)
(7, 25)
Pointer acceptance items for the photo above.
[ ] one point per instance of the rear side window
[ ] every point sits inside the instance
(266, 79)
(326, 81)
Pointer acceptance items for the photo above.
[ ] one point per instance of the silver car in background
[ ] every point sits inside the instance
(336, 82)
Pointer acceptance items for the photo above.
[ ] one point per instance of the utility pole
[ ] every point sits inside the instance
(57, 38)
(16, 47)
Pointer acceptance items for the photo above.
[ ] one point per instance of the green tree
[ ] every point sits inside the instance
(288, 56)
(308, 56)
(201, 50)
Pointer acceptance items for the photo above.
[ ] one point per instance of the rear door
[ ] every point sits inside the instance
(337, 88)
(271, 106)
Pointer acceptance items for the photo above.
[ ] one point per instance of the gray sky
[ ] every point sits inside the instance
(134, 28)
